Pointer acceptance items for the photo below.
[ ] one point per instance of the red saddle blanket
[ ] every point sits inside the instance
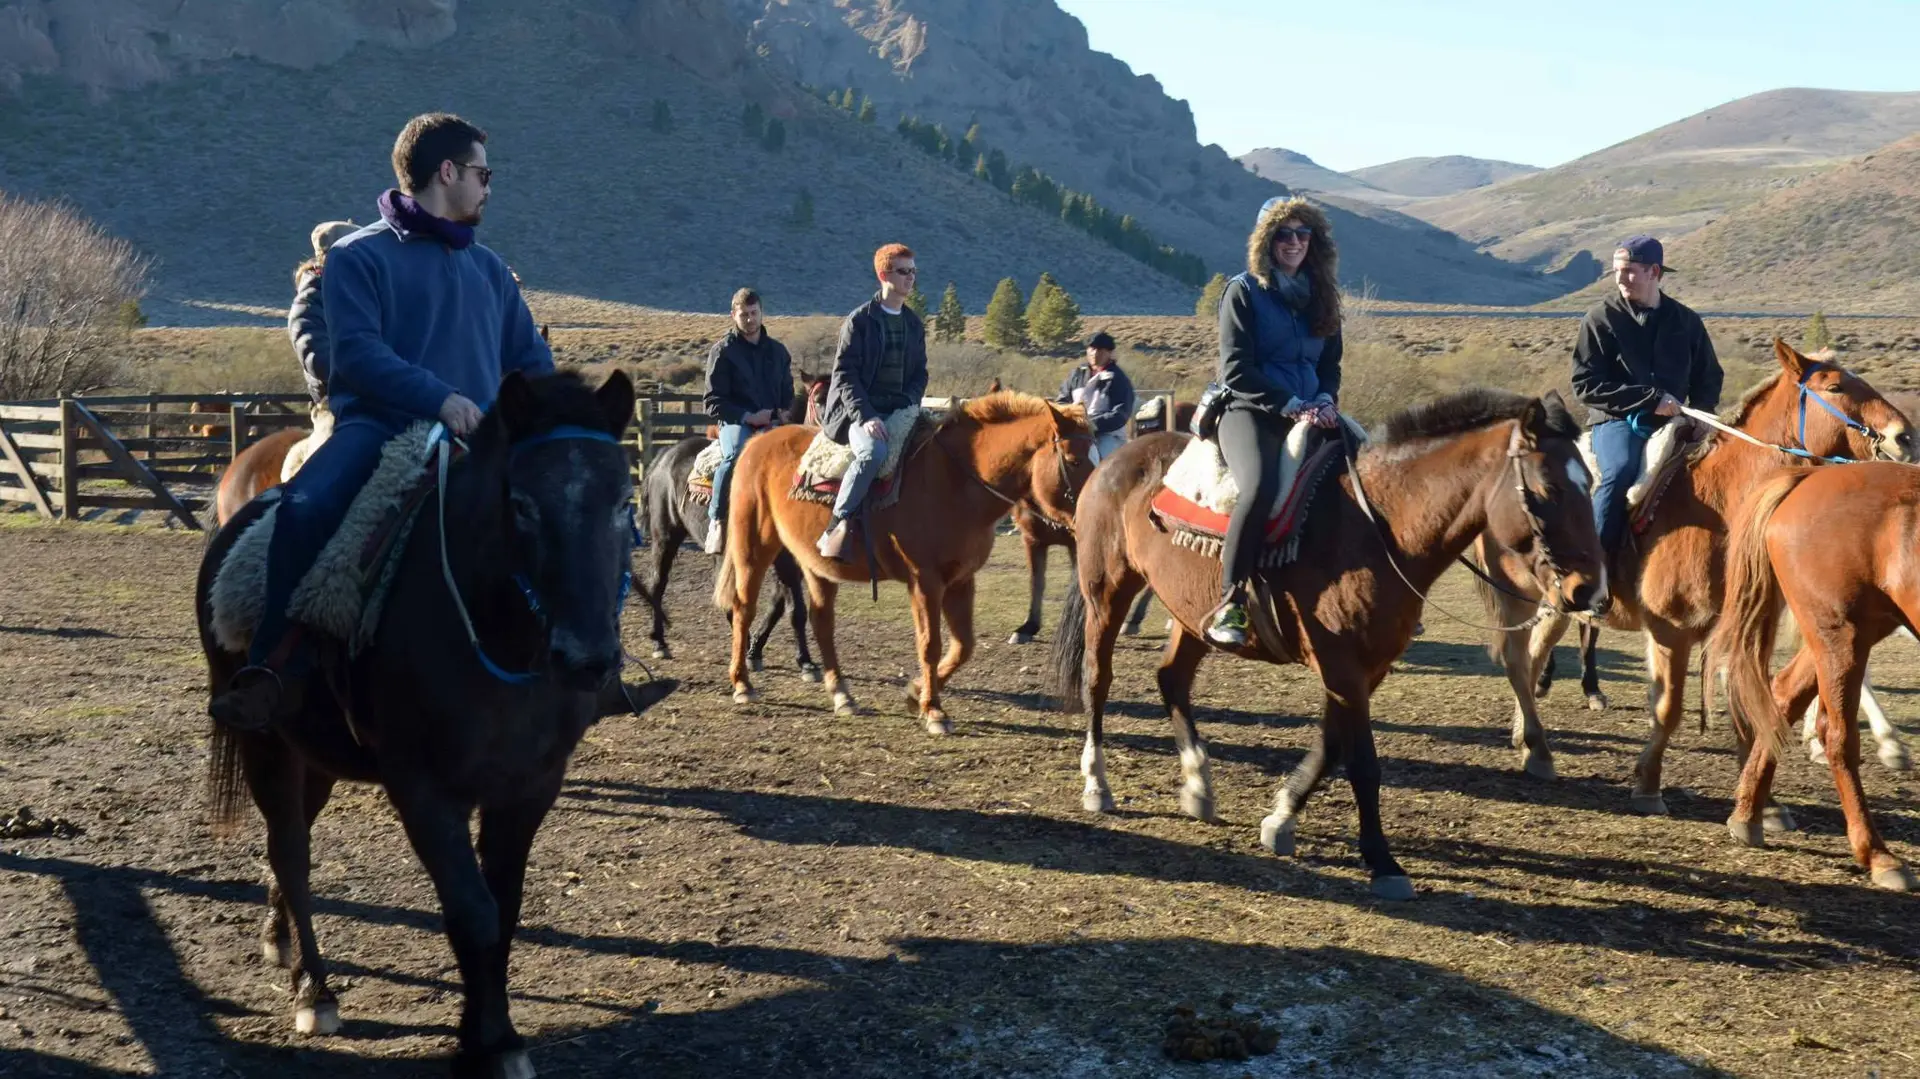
(1184, 515)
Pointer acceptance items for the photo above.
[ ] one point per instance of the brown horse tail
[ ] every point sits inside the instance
(1750, 619)
(1068, 658)
(723, 584)
(226, 784)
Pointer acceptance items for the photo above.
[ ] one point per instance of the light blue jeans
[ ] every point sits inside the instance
(869, 454)
(1104, 445)
(733, 439)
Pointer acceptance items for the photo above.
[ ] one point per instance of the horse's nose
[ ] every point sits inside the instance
(1590, 595)
(584, 673)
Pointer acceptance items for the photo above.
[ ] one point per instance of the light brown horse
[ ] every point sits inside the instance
(1346, 607)
(255, 470)
(985, 456)
(1836, 547)
(1667, 581)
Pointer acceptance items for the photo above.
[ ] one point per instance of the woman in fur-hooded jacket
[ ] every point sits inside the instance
(1280, 361)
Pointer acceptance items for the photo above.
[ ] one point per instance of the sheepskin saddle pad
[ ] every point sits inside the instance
(817, 478)
(342, 594)
(1198, 495)
(700, 480)
(1666, 455)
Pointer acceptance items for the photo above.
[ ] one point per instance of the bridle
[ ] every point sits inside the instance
(1055, 442)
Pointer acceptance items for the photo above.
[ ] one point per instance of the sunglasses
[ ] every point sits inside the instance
(486, 174)
(910, 271)
(1283, 234)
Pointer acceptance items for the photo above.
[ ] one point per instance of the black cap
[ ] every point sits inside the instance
(1103, 339)
(1645, 250)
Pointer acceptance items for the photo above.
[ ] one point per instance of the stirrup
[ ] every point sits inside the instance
(251, 701)
(1227, 635)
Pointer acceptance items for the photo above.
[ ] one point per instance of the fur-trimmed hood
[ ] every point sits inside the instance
(1260, 243)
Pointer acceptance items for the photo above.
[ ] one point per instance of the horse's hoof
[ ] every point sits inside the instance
(277, 954)
(1396, 889)
(1649, 805)
(1276, 834)
(1817, 753)
(1419, 629)
(1894, 756)
(1131, 629)
(843, 704)
(1897, 878)
(936, 722)
(662, 652)
(318, 1020)
(1747, 833)
(1539, 766)
(1198, 806)
(745, 696)
(810, 672)
(1096, 801)
(1596, 702)
(756, 664)
(1776, 818)
(514, 1065)
(1020, 637)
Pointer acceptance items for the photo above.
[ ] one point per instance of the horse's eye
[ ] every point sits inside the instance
(526, 512)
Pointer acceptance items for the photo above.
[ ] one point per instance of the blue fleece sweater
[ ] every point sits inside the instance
(413, 320)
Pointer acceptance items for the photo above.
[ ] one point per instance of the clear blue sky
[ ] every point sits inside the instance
(1352, 83)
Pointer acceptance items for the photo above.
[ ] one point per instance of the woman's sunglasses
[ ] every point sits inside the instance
(1284, 234)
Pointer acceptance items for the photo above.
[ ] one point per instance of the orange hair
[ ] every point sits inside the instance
(883, 259)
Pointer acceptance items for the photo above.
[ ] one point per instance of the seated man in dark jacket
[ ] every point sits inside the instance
(749, 389)
(1105, 391)
(1640, 356)
(424, 324)
(881, 368)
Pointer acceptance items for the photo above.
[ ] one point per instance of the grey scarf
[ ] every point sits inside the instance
(1295, 291)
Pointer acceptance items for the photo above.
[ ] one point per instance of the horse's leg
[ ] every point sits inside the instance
(1106, 598)
(276, 776)
(821, 595)
(437, 828)
(506, 835)
(1841, 661)
(276, 936)
(1892, 751)
(1177, 667)
(1666, 690)
(756, 651)
(1754, 811)
(957, 605)
(1540, 645)
(926, 595)
(1516, 655)
(665, 548)
(788, 572)
(1276, 829)
(1590, 667)
(1036, 587)
(745, 599)
(1348, 715)
(1139, 615)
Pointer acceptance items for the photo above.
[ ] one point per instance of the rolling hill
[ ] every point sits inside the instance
(1431, 177)
(1298, 171)
(1677, 178)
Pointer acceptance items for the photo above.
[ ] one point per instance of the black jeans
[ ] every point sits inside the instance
(1252, 443)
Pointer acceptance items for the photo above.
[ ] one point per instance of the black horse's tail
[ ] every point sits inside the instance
(1068, 658)
(226, 784)
(226, 781)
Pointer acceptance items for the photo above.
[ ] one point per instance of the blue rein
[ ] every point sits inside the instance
(1852, 425)
(439, 441)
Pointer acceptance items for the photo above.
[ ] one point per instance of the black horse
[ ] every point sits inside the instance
(449, 723)
(672, 518)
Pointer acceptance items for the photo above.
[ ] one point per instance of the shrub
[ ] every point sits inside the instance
(65, 287)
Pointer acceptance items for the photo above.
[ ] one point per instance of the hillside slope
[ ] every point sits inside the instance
(1298, 171)
(1677, 178)
(220, 167)
(1431, 177)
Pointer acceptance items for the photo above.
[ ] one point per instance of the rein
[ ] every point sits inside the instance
(1869, 433)
(441, 445)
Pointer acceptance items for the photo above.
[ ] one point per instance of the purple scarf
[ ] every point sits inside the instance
(406, 216)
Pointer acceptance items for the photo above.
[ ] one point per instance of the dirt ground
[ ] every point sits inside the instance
(776, 891)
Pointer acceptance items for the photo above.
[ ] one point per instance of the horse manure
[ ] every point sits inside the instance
(1192, 1037)
(24, 825)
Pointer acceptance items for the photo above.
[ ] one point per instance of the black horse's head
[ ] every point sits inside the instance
(567, 491)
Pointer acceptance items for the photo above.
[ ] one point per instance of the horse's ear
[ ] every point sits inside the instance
(1534, 425)
(616, 400)
(1558, 416)
(1791, 361)
(516, 405)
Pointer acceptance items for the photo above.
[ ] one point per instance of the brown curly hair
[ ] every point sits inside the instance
(1322, 265)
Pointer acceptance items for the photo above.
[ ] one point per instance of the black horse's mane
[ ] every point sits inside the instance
(1468, 410)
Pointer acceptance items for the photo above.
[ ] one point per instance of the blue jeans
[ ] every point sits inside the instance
(869, 454)
(312, 505)
(733, 439)
(1620, 451)
(1104, 445)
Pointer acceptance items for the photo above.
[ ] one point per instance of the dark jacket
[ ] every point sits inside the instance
(1109, 396)
(743, 377)
(1620, 368)
(861, 340)
(1269, 356)
(307, 327)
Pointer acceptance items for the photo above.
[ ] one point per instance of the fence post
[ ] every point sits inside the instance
(153, 406)
(646, 432)
(69, 459)
(236, 436)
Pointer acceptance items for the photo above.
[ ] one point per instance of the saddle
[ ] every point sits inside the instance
(344, 591)
(1198, 495)
(817, 477)
(1665, 457)
(700, 480)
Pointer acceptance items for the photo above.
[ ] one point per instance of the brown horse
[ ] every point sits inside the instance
(255, 470)
(1346, 607)
(1667, 581)
(985, 456)
(1834, 546)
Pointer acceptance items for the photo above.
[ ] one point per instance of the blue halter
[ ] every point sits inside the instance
(1851, 424)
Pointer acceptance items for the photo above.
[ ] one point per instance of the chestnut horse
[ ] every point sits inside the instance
(255, 470)
(986, 455)
(1482, 460)
(1667, 580)
(1834, 546)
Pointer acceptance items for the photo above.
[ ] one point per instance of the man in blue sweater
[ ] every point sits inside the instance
(424, 324)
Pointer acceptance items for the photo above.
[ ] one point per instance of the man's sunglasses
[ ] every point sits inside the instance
(910, 271)
(486, 174)
(1303, 235)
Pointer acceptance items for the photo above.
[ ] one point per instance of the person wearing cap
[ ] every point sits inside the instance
(1105, 391)
(1640, 356)
(749, 389)
(1280, 351)
(307, 318)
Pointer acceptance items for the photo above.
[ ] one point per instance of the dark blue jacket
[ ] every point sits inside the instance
(743, 377)
(1268, 353)
(413, 320)
(1109, 396)
(862, 339)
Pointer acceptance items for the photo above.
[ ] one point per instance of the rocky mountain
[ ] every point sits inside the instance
(1302, 173)
(1023, 70)
(1677, 178)
(1431, 177)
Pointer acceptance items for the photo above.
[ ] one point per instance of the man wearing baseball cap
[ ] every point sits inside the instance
(1640, 356)
(1105, 390)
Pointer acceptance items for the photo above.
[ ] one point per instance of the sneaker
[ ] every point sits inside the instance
(716, 538)
(833, 542)
(1229, 628)
(251, 701)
